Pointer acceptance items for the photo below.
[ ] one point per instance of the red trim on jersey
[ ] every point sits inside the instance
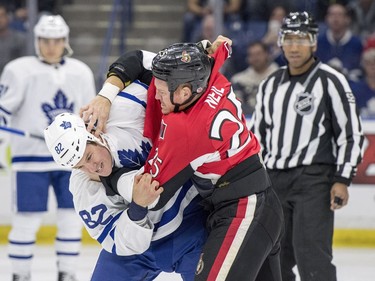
(153, 115)
(228, 239)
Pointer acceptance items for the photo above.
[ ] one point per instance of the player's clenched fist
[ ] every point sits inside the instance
(145, 190)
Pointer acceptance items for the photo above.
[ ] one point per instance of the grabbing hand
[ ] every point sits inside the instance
(97, 111)
(145, 190)
(218, 41)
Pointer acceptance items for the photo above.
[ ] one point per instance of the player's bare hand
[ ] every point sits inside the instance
(145, 190)
(219, 40)
(97, 111)
(339, 196)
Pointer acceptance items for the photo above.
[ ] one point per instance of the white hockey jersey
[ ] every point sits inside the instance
(32, 93)
(105, 217)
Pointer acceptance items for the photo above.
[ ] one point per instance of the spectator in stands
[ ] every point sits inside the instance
(338, 46)
(274, 23)
(258, 27)
(207, 30)
(369, 42)
(362, 13)
(12, 43)
(322, 6)
(317, 8)
(364, 90)
(197, 10)
(245, 83)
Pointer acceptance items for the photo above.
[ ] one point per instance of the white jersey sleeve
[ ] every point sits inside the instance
(124, 136)
(147, 59)
(106, 218)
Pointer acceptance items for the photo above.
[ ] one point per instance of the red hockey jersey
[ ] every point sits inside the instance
(206, 140)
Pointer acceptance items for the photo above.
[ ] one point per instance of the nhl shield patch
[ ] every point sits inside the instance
(304, 103)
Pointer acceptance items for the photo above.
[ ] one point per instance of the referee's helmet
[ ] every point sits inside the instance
(67, 138)
(183, 63)
(299, 23)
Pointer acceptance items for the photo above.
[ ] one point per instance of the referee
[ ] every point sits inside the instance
(309, 128)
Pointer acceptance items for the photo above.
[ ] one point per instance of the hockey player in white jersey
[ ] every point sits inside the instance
(138, 244)
(33, 90)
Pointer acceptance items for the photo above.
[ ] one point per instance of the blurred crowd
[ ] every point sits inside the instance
(346, 40)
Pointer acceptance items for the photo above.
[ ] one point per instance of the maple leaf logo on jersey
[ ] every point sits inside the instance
(66, 125)
(134, 158)
(60, 105)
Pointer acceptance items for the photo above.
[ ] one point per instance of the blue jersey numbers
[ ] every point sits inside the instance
(59, 148)
(95, 217)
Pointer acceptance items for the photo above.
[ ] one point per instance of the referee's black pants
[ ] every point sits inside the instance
(305, 196)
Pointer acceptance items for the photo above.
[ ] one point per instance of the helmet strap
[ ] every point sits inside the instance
(310, 57)
(178, 105)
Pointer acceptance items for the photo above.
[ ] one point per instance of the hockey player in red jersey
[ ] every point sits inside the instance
(203, 136)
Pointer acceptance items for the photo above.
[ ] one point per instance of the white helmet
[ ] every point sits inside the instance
(52, 27)
(66, 139)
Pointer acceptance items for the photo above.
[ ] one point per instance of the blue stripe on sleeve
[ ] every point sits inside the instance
(141, 84)
(108, 228)
(133, 98)
(18, 159)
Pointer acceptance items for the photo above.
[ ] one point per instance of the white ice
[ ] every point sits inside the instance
(353, 264)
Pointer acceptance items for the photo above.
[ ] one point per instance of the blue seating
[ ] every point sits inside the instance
(256, 30)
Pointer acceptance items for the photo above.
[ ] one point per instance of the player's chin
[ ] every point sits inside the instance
(105, 172)
(165, 110)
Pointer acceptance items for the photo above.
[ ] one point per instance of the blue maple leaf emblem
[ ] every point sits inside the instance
(66, 125)
(134, 158)
(60, 105)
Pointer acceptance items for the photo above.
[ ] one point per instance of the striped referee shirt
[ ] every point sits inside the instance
(309, 119)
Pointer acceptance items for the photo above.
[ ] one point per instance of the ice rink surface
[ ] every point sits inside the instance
(353, 264)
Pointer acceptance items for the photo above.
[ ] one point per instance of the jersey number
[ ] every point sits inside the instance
(216, 131)
(234, 116)
(59, 148)
(98, 210)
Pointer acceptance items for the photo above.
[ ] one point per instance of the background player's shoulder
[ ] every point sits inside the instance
(75, 63)
(22, 63)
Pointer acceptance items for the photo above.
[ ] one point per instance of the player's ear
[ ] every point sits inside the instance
(314, 48)
(185, 91)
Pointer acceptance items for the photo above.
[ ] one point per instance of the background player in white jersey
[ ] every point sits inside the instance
(35, 89)
(114, 214)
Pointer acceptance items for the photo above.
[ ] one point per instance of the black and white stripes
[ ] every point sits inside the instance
(308, 119)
